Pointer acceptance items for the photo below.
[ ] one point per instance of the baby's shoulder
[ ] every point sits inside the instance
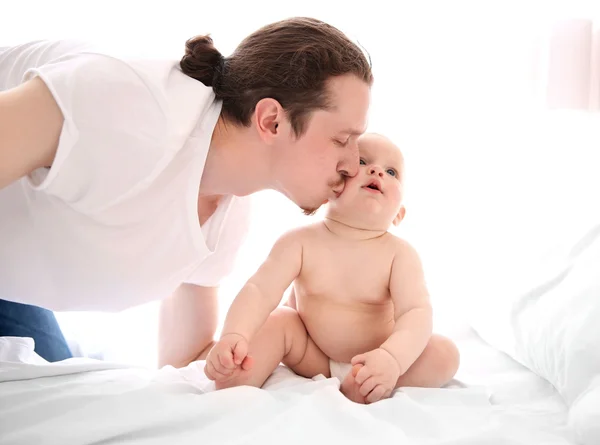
(401, 247)
(299, 234)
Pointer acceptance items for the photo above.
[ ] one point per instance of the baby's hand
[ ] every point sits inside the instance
(378, 375)
(227, 357)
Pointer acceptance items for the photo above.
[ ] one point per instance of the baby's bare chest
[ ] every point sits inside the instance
(357, 272)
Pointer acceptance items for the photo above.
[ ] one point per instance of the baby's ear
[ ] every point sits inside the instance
(400, 216)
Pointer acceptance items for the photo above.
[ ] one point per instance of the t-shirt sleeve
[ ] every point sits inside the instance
(217, 266)
(114, 131)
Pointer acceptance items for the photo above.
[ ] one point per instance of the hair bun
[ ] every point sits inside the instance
(203, 61)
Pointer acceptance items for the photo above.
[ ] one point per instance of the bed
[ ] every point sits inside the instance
(493, 400)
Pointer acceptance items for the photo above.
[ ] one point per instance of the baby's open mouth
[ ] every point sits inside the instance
(373, 186)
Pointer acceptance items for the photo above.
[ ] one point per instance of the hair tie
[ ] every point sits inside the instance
(218, 72)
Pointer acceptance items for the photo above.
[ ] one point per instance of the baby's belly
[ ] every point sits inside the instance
(343, 330)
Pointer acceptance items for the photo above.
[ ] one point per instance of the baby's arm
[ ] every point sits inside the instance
(252, 306)
(412, 308)
(264, 291)
(381, 368)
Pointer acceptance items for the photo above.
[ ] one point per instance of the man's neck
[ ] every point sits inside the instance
(350, 231)
(236, 164)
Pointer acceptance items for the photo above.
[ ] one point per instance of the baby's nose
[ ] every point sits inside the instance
(376, 171)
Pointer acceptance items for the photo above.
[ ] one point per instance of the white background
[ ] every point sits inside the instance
(456, 88)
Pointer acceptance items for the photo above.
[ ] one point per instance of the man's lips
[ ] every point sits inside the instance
(339, 189)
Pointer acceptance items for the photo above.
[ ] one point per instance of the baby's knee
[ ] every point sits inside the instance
(285, 318)
(448, 355)
(287, 321)
(285, 312)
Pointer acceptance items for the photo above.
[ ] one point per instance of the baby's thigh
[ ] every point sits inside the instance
(302, 355)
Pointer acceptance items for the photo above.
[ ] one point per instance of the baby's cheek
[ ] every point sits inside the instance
(396, 194)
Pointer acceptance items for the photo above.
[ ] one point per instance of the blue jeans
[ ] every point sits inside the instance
(24, 320)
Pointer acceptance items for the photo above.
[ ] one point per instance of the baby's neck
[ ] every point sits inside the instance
(344, 230)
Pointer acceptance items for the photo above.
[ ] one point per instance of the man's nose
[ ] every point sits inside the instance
(349, 167)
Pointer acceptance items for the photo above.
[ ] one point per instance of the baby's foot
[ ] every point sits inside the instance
(350, 388)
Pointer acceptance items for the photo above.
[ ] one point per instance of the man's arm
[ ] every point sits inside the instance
(30, 126)
(187, 324)
(412, 309)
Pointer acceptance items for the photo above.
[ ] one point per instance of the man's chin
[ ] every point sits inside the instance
(311, 206)
(309, 211)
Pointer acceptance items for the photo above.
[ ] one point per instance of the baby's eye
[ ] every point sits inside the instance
(362, 162)
(391, 172)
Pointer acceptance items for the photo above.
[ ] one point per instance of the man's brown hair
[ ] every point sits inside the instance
(289, 61)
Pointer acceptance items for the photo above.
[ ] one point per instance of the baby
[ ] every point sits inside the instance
(359, 308)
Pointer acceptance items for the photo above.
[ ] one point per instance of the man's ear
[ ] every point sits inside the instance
(400, 216)
(268, 117)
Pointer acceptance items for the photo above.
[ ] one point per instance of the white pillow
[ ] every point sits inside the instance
(537, 272)
(552, 326)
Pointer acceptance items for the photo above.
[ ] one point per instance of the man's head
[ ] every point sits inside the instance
(372, 199)
(305, 88)
(311, 169)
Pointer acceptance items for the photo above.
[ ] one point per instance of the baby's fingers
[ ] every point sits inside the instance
(358, 359)
(207, 371)
(248, 363)
(376, 395)
(240, 352)
(226, 359)
(363, 374)
(368, 386)
(213, 373)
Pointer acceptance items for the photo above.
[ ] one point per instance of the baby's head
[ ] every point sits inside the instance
(372, 199)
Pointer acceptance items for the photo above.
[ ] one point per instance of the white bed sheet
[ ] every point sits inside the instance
(518, 396)
(82, 401)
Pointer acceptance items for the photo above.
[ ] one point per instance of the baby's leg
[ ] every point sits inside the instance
(435, 367)
(283, 338)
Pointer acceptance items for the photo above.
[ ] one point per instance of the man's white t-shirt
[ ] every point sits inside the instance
(114, 222)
